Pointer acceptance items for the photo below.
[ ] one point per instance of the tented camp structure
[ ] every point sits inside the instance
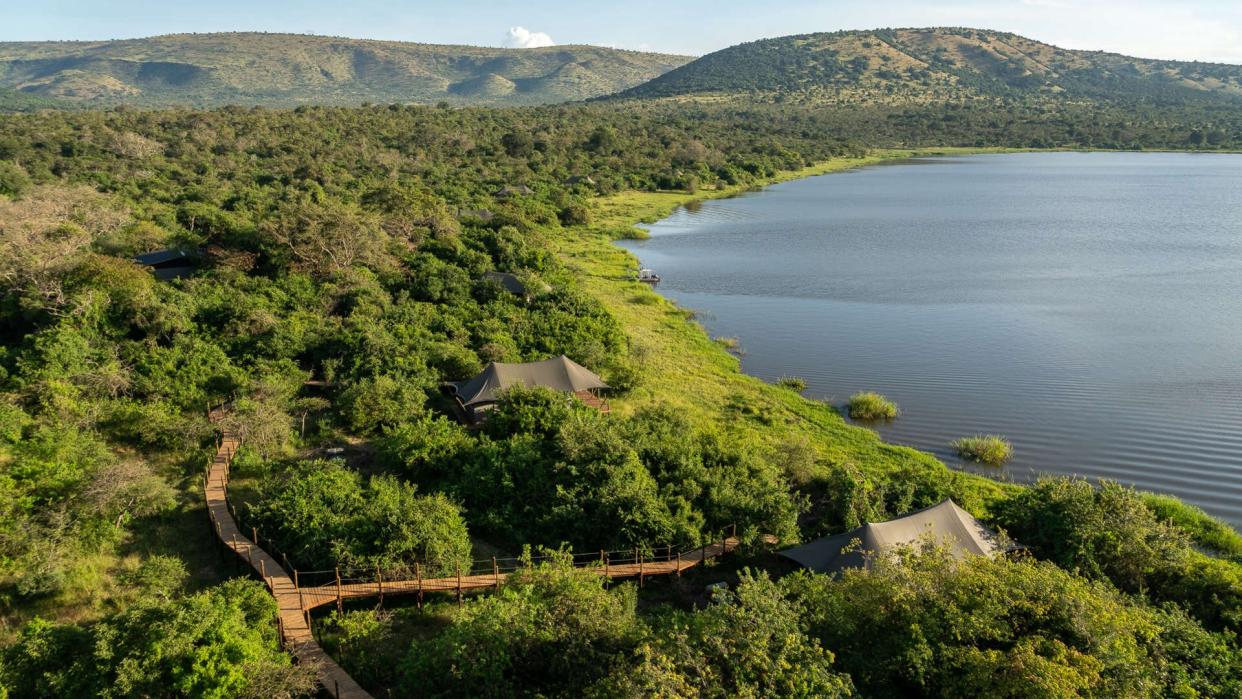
(167, 264)
(475, 396)
(507, 281)
(946, 524)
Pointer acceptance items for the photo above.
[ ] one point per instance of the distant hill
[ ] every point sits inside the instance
(894, 65)
(291, 69)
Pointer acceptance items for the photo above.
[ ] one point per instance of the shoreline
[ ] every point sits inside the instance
(676, 352)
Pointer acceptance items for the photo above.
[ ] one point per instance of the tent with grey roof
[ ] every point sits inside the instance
(559, 374)
(945, 524)
(172, 263)
(508, 281)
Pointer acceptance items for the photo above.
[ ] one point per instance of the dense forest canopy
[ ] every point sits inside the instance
(349, 248)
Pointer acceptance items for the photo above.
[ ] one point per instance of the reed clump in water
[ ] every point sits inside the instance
(868, 405)
(796, 384)
(988, 449)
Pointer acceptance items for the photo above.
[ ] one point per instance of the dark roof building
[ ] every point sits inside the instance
(172, 263)
(508, 281)
(944, 524)
(172, 257)
(512, 191)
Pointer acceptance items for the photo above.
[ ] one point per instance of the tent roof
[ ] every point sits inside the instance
(161, 257)
(946, 523)
(509, 281)
(560, 374)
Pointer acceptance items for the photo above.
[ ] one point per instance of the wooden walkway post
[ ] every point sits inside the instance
(339, 608)
(679, 563)
(379, 580)
(418, 576)
(459, 584)
(639, 559)
(607, 573)
(219, 539)
(495, 573)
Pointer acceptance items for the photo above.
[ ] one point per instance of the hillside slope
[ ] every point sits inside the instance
(892, 65)
(290, 69)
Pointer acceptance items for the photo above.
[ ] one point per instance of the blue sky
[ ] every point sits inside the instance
(1192, 30)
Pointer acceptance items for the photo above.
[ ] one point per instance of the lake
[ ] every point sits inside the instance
(1087, 306)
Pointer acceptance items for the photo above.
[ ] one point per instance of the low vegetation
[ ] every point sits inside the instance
(989, 449)
(793, 383)
(221, 643)
(867, 405)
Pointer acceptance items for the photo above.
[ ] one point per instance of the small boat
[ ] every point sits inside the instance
(648, 276)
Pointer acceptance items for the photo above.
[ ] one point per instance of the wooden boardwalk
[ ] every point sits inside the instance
(294, 626)
(295, 601)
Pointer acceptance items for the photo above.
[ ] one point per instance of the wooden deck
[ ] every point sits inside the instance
(295, 601)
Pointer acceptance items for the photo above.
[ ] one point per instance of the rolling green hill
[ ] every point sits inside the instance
(290, 69)
(898, 65)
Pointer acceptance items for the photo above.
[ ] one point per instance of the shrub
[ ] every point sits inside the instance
(752, 643)
(13, 179)
(217, 643)
(867, 405)
(548, 630)
(1110, 533)
(984, 448)
(793, 383)
(928, 625)
(322, 515)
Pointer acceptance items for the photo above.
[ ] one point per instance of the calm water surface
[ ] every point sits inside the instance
(1086, 306)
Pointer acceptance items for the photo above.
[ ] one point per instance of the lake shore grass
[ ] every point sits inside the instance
(989, 449)
(683, 368)
(868, 405)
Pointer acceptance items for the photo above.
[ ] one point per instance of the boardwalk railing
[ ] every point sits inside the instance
(298, 592)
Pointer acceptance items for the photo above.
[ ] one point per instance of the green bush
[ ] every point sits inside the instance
(927, 625)
(867, 405)
(749, 643)
(13, 179)
(549, 630)
(217, 643)
(1110, 533)
(793, 383)
(985, 449)
(322, 515)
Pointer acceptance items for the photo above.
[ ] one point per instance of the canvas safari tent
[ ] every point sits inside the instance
(559, 374)
(946, 524)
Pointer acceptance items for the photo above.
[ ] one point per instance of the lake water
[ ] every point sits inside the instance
(1088, 306)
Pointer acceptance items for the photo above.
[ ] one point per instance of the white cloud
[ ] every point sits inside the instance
(523, 38)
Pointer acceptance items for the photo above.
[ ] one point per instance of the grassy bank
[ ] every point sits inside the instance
(682, 367)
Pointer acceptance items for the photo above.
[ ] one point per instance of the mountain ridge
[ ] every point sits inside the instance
(936, 63)
(279, 69)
